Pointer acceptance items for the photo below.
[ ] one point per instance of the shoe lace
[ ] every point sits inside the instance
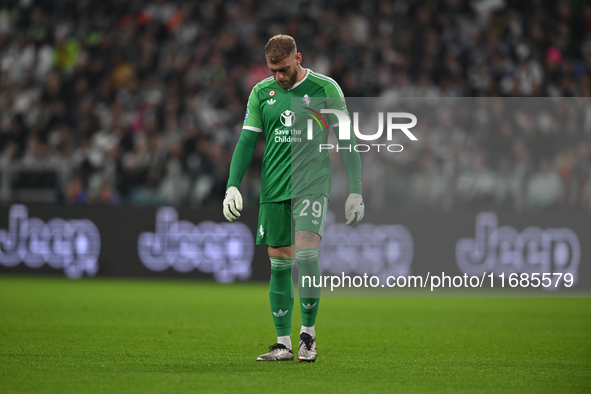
(307, 339)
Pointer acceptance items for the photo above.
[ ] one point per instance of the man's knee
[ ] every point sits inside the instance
(279, 251)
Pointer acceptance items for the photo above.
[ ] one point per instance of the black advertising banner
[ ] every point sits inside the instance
(127, 242)
(183, 243)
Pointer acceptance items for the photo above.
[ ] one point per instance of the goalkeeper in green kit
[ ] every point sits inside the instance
(295, 185)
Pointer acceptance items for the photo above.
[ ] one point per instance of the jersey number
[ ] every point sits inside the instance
(316, 208)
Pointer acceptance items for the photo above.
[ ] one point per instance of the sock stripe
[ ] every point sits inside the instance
(306, 252)
(281, 262)
(307, 255)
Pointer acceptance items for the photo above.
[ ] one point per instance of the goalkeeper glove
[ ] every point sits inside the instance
(354, 209)
(232, 204)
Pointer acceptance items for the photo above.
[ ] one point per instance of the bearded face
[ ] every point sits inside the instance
(286, 71)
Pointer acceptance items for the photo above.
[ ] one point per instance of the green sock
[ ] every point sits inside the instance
(309, 294)
(281, 294)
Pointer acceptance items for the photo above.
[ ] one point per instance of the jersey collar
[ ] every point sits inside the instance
(295, 85)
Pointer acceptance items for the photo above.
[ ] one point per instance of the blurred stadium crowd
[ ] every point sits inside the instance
(142, 101)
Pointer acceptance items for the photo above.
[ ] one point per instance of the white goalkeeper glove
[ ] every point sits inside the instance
(232, 204)
(354, 209)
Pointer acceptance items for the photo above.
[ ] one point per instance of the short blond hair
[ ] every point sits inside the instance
(279, 47)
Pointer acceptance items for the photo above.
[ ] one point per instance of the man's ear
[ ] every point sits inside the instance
(298, 58)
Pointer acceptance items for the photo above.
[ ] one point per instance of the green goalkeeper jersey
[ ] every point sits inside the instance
(294, 129)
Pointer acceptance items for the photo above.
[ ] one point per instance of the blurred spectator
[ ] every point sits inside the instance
(506, 190)
(544, 189)
(476, 184)
(76, 192)
(424, 184)
(106, 195)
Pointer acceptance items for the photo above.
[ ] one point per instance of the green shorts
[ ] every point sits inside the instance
(278, 221)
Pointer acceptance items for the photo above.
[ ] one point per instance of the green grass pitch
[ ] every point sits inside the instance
(162, 336)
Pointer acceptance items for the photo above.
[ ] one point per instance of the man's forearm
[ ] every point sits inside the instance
(242, 157)
(352, 162)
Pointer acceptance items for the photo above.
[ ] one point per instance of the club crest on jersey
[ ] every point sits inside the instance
(271, 93)
(306, 99)
(287, 118)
